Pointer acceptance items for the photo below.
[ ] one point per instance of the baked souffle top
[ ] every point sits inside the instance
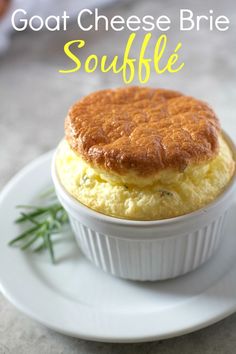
(142, 130)
(143, 154)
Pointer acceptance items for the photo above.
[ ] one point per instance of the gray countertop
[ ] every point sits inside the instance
(34, 99)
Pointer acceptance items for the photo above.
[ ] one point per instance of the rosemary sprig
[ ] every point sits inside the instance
(43, 221)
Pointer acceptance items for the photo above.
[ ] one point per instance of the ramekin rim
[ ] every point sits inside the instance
(143, 223)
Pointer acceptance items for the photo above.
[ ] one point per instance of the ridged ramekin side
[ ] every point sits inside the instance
(148, 250)
(149, 259)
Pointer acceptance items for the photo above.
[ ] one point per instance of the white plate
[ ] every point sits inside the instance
(75, 298)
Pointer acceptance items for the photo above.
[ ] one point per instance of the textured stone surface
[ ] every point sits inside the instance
(34, 99)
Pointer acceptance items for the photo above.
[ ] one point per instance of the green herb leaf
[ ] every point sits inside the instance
(42, 221)
(164, 192)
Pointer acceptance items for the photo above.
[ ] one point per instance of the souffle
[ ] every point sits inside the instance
(143, 153)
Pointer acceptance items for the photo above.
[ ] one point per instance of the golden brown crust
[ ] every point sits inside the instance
(143, 130)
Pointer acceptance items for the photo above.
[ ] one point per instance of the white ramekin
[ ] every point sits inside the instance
(147, 250)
